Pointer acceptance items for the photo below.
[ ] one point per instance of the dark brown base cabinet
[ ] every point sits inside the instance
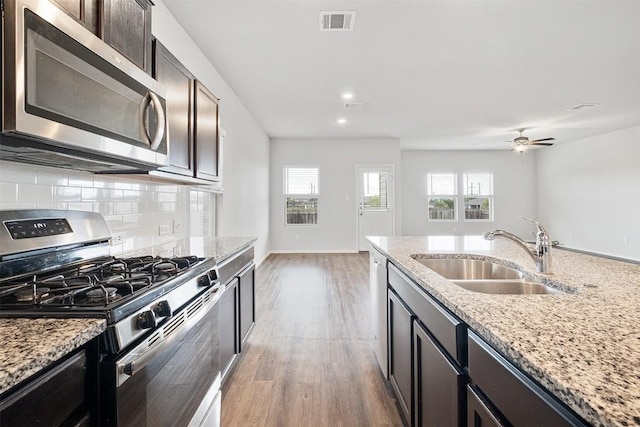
(439, 384)
(400, 320)
(65, 394)
(246, 291)
(443, 374)
(237, 307)
(424, 349)
(228, 327)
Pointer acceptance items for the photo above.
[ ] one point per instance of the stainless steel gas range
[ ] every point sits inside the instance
(159, 357)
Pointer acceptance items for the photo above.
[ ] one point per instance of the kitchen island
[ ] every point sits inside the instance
(582, 345)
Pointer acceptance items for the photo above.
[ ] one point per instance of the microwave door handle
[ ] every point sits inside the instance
(149, 98)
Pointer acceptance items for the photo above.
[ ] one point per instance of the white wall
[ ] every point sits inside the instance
(337, 206)
(513, 182)
(243, 208)
(589, 193)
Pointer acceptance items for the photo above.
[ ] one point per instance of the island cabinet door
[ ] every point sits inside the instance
(478, 412)
(438, 384)
(400, 342)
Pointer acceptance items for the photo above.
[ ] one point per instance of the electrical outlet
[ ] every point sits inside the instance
(177, 226)
(118, 238)
(625, 240)
(297, 237)
(164, 229)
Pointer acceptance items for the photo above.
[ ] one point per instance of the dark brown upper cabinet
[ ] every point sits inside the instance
(192, 115)
(126, 26)
(86, 12)
(179, 83)
(206, 133)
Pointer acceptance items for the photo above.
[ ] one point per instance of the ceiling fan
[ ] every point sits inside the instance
(522, 142)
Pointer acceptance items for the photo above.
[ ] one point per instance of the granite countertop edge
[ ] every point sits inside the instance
(31, 345)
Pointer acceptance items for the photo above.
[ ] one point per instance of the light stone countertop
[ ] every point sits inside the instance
(30, 345)
(583, 346)
(219, 248)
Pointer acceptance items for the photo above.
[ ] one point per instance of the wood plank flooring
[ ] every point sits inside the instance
(309, 360)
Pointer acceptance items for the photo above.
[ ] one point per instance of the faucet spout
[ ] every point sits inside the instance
(541, 254)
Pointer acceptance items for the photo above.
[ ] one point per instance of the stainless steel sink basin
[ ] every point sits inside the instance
(469, 269)
(485, 276)
(506, 287)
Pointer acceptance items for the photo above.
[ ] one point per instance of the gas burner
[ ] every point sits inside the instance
(99, 296)
(28, 295)
(166, 267)
(101, 293)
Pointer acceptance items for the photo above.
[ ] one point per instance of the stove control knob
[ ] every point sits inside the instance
(147, 320)
(204, 281)
(162, 309)
(213, 275)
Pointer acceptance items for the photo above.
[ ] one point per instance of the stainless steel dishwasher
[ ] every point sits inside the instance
(378, 284)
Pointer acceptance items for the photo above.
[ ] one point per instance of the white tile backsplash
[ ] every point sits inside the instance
(35, 193)
(132, 205)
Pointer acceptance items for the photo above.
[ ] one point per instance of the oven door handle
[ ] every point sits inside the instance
(174, 329)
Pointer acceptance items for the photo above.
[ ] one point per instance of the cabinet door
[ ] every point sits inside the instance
(478, 412)
(400, 360)
(438, 383)
(228, 327)
(247, 302)
(178, 82)
(206, 133)
(84, 11)
(126, 26)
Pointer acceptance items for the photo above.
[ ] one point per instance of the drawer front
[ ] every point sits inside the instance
(517, 397)
(443, 325)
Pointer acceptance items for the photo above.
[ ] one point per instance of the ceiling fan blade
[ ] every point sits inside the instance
(548, 144)
(540, 140)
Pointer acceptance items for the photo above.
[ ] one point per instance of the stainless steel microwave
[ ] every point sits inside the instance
(70, 100)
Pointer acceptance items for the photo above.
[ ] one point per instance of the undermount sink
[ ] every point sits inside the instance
(484, 276)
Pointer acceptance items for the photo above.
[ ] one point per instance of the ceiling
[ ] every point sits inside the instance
(437, 74)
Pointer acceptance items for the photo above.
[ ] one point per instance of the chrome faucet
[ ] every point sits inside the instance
(541, 254)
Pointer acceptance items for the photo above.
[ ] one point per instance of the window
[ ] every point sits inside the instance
(441, 189)
(375, 191)
(301, 195)
(478, 196)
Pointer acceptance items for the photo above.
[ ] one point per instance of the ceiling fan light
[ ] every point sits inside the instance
(520, 148)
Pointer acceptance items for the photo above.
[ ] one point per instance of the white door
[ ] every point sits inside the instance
(375, 203)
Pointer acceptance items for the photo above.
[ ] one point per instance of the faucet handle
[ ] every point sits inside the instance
(539, 226)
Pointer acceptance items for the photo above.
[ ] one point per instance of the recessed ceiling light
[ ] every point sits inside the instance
(347, 95)
(342, 121)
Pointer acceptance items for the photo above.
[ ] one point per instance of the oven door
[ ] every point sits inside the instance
(172, 377)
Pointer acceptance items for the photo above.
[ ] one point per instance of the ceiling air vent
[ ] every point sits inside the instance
(353, 105)
(337, 21)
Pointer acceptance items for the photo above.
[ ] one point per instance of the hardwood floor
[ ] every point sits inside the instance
(309, 360)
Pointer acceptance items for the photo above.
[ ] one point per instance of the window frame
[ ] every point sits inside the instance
(286, 196)
(431, 196)
(490, 197)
